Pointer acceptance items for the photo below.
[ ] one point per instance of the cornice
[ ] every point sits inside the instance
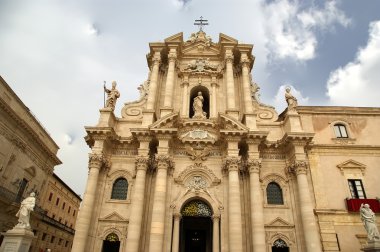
(29, 130)
(338, 110)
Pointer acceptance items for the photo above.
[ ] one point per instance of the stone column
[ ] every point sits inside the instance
(175, 243)
(134, 226)
(215, 233)
(257, 213)
(159, 201)
(185, 96)
(85, 214)
(310, 230)
(245, 64)
(169, 87)
(153, 81)
(229, 57)
(214, 84)
(234, 206)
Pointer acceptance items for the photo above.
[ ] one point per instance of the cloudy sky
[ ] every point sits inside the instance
(56, 54)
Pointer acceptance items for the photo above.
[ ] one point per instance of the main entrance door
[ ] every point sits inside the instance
(196, 227)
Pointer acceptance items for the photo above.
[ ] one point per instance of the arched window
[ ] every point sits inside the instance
(120, 189)
(274, 194)
(340, 131)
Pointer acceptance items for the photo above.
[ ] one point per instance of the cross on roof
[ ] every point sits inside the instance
(201, 22)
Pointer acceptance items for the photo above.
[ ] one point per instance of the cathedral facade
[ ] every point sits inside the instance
(198, 163)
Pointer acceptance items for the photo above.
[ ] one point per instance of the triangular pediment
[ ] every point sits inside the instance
(352, 165)
(225, 39)
(176, 38)
(200, 48)
(230, 124)
(279, 222)
(113, 217)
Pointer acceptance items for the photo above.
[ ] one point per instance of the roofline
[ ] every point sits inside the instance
(67, 187)
(29, 111)
(338, 110)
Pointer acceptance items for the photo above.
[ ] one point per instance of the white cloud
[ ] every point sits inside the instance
(279, 101)
(357, 83)
(291, 31)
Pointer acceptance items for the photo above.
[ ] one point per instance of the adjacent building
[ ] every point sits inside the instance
(198, 163)
(28, 156)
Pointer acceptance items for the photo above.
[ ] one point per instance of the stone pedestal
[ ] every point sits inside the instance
(17, 240)
(372, 246)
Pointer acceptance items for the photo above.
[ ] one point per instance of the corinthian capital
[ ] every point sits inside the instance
(298, 167)
(164, 162)
(172, 56)
(232, 163)
(141, 163)
(254, 165)
(95, 160)
(229, 57)
(245, 62)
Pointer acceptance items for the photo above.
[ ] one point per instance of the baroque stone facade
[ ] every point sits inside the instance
(198, 163)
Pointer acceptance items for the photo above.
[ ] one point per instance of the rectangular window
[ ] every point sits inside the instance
(43, 236)
(50, 196)
(66, 243)
(340, 131)
(69, 209)
(356, 189)
(64, 204)
(74, 213)
(57, 202)
(52, 239)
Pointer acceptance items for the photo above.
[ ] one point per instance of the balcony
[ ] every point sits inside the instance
(353, 205)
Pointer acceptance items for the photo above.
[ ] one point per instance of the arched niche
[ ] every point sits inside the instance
(206, 100)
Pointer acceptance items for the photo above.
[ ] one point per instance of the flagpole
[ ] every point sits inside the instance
(104, 94)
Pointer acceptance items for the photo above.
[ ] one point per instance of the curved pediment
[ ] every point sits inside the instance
(198, 169)
(229, 125)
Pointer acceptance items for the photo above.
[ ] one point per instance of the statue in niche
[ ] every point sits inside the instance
(23, 214)
(198, 107)
(112, 95)
(369, 221)
(290, 100)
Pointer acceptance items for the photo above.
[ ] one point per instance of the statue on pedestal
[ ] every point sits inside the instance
(369, 221)
(290, 100)
(23, 214)
(198, 107)
(112, 95)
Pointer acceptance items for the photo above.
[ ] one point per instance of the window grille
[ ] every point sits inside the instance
(340, 131)
(274, 194)
(280, 244)
(120, 189)
(196, 208)
(112, 237)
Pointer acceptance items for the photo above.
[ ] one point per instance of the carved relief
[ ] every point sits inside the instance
(134, 109)
(298, 167)
(198, 169)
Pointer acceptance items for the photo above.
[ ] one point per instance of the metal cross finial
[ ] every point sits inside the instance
(201, 22)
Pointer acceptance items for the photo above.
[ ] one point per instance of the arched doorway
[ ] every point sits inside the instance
(111, 243)
(206, 100)
(280, 246)
(196, 227)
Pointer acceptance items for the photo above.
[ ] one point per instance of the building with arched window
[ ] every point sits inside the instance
(198, 163)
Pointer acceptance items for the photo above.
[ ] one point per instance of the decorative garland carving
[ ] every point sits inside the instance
(198, 154)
